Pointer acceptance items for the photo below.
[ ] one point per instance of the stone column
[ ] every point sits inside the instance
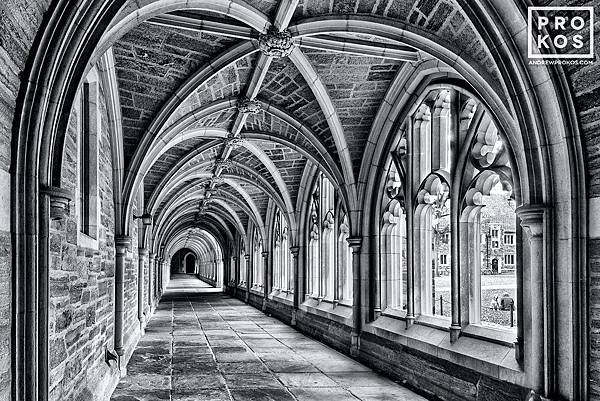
(295, 250)
(151, 258)
(532, 221)
(248, 272)
(122, 245)
(54, 205)
(355, 243)
(142, 254)
(159, 278)
(236, 274)
(266, 280)
(455, 273)
(376, 290)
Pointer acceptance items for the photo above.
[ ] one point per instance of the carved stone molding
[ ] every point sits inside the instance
(122, 244)
(276, 43)
(223, 164)
(248, 106)
(234, 141)
(532, 219)
(355, 243)
(60, 202)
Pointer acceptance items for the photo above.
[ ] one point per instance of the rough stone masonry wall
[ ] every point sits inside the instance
(81, 284)
(20, 20)
(586, 89)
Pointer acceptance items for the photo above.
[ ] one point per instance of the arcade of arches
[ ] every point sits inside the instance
(391, 178)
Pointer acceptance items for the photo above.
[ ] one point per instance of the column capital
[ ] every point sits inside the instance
(151, 256)
(295, 250)
(142, 252)
(122, 243)
(265, 254)
(532, 219)
(355, 243)
(60, 202)
(247, 257)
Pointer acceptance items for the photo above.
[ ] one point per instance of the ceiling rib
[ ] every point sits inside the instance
(319, 42)
(359, 47)
(193, 23)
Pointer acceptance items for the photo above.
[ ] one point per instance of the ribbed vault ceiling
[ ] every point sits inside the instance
(182, 76)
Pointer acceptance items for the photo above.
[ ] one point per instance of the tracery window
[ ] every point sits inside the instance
(88, 156)
(282, 274)
(393, 244)
(243, 268)
(257, 261)
(344, 262)
(448, 200)
(328, 271)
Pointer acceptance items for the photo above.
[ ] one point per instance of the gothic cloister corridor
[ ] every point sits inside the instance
(204, 345)
(299, 199)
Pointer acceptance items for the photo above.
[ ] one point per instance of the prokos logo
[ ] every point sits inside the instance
(560, 32)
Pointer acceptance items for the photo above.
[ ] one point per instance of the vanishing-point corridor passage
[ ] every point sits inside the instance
(203, 345)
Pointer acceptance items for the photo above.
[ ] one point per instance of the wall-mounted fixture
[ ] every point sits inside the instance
(146, 218)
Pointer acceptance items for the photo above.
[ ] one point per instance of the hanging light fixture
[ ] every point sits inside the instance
(146, 218)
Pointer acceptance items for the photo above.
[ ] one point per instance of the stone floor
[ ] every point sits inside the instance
(203, 345)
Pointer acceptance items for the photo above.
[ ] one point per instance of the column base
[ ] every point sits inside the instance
(410, 320)
(519, 351)
(355, 345)
(454, 333)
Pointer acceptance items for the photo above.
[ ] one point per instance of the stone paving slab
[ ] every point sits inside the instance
(205, 346)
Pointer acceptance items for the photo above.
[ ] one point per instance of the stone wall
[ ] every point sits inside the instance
(20, 20)
(81, 283)
(585, 85)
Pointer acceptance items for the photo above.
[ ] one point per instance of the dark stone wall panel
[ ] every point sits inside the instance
(151, 62)
(81, 282)
(357, 86)
(443, 21)
(285, 87)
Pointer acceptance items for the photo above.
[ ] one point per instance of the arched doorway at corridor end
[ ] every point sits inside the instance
(184, 262)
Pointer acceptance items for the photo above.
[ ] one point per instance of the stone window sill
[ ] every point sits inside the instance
(282, 297)
(506, 337)
(427, 336)
(85, 241)
(337, 312)
(394, 313)
(257, 291)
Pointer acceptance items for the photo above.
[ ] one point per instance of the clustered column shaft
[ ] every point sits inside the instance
(122, 245)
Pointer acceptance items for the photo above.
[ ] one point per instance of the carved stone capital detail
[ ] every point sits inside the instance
(60, 202)
(248, 106)
(224, 164)
(234, 141)
(276, 43)
(122, 244)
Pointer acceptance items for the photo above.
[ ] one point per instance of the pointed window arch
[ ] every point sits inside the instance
(282, 276)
